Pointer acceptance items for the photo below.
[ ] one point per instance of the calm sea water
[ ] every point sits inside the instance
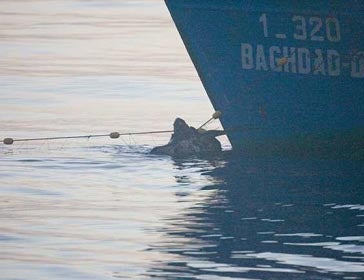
(106, 209)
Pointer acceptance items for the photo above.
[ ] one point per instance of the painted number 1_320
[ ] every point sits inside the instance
(310, 28)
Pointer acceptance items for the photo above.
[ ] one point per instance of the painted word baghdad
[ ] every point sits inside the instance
(301, 60)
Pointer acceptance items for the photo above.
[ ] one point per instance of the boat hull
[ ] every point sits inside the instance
(288, 77)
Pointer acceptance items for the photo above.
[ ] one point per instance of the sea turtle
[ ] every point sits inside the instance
(187, 140)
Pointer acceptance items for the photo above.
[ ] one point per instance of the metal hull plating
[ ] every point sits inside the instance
(288, 74)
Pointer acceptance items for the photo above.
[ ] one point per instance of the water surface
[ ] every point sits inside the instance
(106, 209)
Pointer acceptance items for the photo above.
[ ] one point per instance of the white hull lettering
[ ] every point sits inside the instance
(357, 65)
(304, 61)
(334, 67)
(247, 56)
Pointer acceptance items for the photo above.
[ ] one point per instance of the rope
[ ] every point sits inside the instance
(215, 116)
(112, 135)
(116, 135)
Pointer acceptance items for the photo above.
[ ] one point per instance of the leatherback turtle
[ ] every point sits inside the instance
(187, 140)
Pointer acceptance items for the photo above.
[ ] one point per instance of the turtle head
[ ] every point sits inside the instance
(180, 127)
(180, 124)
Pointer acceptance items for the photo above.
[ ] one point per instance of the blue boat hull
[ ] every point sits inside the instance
(288, 76)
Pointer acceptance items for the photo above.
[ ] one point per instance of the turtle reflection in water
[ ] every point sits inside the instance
(187, 141)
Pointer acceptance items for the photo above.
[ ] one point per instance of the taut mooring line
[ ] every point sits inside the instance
(214, 116)
(112, 135)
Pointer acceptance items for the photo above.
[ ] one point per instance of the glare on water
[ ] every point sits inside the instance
(93, 65)
(102, 208)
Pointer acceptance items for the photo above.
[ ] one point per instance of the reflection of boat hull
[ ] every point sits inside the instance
(293, 70)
